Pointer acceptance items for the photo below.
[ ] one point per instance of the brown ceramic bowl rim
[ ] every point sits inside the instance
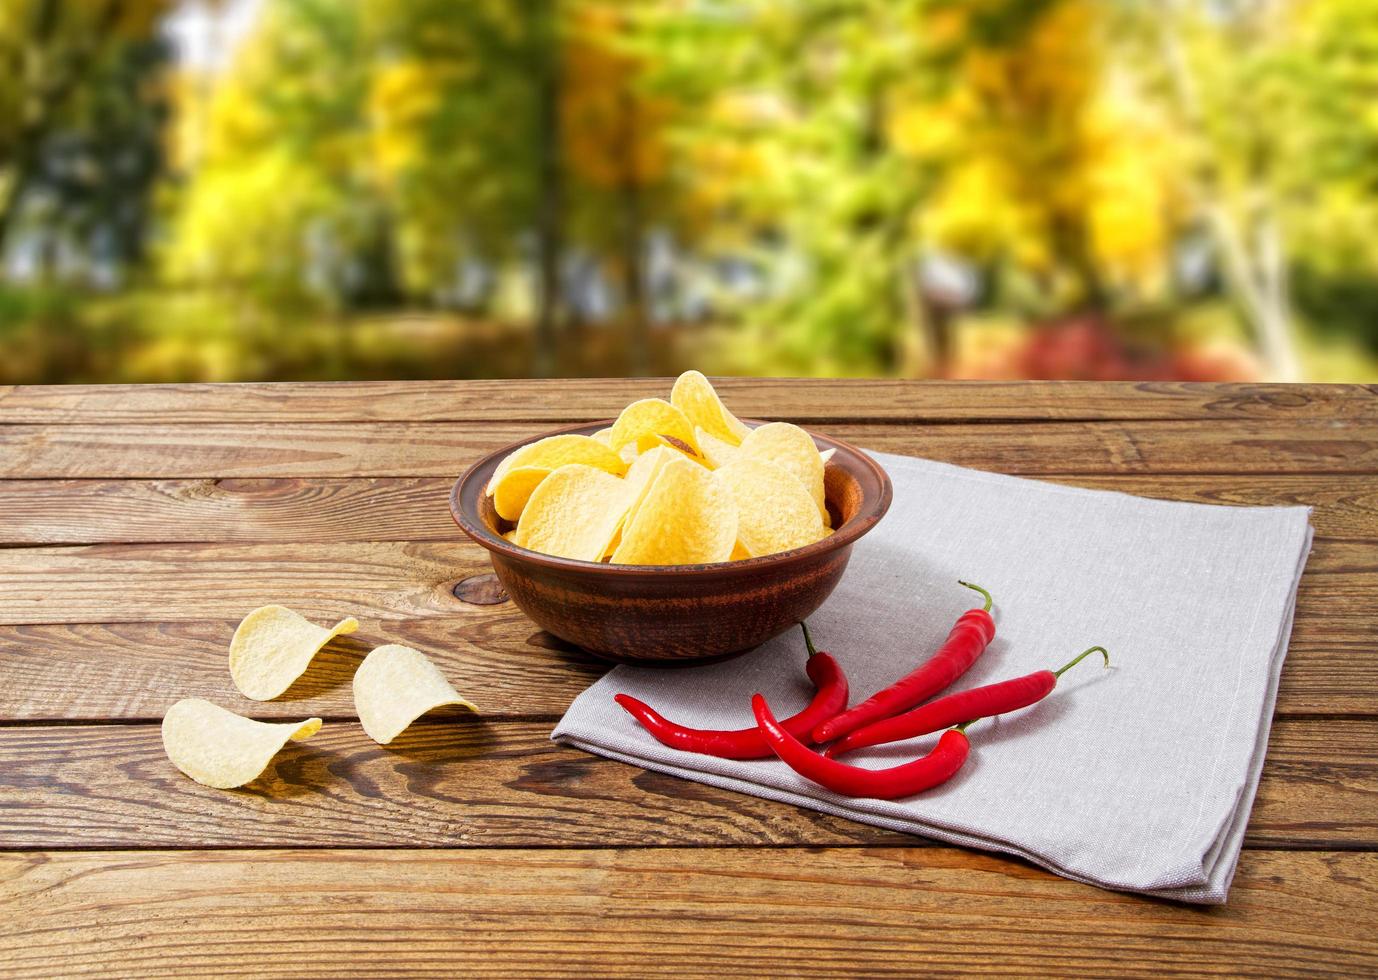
(473, 525)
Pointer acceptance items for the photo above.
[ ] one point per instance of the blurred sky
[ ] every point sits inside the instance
(204, 35)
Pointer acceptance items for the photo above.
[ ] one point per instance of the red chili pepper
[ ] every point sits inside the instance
(969, 638)
(965, 706)
(883, 784)
(748, 743)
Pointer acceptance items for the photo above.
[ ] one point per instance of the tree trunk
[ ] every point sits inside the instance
(1256, 272)
(1275, 325)
(550, 190)
(633, 233)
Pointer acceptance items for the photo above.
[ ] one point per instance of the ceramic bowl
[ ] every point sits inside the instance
(676, 614)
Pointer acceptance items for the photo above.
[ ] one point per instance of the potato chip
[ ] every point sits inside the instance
(739, 552)
(553, 452)
(394, 686)
(604, 436)
(644, 422)
(219, 748)
(716, 452)
(684, 449)
(574, 513)
(629, 452)
(685, 518)
(511, 493)
(827, 454)
(639, 477)
(775, 512)
(792, 448)
(694, 396)
(272, 647)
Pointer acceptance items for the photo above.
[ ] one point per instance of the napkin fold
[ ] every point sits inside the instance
(1139, 778)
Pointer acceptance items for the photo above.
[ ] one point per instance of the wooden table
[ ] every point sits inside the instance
(140, 523)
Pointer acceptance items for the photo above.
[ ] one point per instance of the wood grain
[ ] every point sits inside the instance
(138, 523)
(286, 510)
(328, 509)
(468, 783)
(409, 580)
(132, 671)
(114, 630)
(664, 912)
(381, 449)
(786, 399)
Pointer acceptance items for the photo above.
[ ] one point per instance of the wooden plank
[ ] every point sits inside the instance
(332, 509)
(288, 510)
(133, 671)
(137, 625)
(635, 913)
(466, 783)
(172, 582)
(382, 449)
(403, 580)
(814, 399)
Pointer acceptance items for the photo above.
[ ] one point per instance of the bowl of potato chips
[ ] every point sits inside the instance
(675, 533)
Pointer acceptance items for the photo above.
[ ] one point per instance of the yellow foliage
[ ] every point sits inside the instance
(612, 131)
(402, 97)
(1132, 201)
(1038, 154)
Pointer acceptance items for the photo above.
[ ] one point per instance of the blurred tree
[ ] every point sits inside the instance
(383, 148)
(1331, 66)
(80, 119)
(854, 138)
(1273, 101)
(803, 200)
(1054, 177)
(614, 149)
(485, 185)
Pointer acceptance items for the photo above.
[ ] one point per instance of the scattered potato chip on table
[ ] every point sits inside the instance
(394, 686)
(221, 749)
(273, 646)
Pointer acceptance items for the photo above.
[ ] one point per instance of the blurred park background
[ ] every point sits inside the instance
(217, 190)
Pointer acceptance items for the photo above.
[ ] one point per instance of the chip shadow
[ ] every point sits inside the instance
(331, 669)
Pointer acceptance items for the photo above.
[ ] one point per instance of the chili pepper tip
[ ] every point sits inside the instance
(977, 588)
(1082, 656)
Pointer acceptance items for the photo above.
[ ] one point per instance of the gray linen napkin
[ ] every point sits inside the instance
(1140, 777)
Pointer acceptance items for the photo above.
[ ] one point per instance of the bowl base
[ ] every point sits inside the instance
(670, 662)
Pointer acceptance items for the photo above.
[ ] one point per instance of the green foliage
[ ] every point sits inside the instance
(81, 125)
(562, 184)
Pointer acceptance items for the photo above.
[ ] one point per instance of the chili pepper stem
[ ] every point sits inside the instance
(1080, 657)
(808, 640)
(977, 588)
